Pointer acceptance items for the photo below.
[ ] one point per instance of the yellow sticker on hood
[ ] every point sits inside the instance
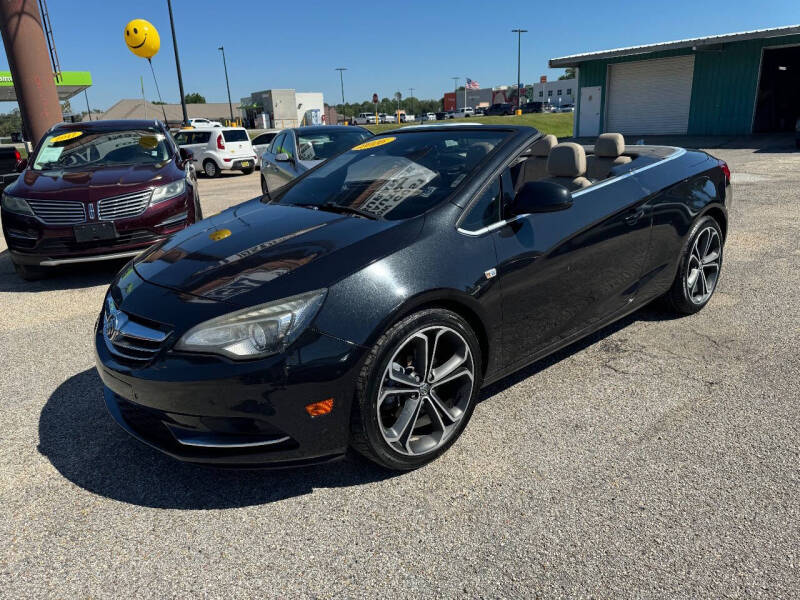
(219, 234)
(66, 136)
(374, 143)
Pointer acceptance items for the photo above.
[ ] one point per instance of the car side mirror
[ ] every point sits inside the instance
(539, 197)
(283, 157)
(186, 155)
(22, 164)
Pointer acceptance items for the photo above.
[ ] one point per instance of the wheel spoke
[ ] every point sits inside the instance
(444, 370)
(431, 359)
(704, 283)
(707, 245)
(711, 257)
(450, 414)
(462, 373)
(691, 280)
(405, 422)
(391, 391)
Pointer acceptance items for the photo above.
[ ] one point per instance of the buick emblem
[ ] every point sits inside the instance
(91, 210)
(111, 329)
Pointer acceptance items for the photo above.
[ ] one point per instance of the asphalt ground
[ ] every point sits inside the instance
(659, 458)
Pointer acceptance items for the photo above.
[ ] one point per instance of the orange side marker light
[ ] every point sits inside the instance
(317, 409)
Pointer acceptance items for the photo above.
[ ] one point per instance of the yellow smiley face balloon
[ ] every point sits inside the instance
(142, 38)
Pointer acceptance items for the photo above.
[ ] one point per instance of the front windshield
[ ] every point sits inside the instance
(395, 177)
(90, 149)
(322, 146)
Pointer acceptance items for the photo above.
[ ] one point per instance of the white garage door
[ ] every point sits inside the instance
(650, 96)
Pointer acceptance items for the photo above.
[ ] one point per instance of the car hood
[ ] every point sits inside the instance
(91, 184)
(255, 252)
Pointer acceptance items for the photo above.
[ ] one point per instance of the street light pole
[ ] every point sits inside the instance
(341, 81)
(227, 85)
(177, 65)
(455, 90)
(519, 33)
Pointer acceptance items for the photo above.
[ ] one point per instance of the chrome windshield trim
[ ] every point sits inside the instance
(484, 230)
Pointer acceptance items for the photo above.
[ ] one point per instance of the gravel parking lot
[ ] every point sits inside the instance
(659, 458)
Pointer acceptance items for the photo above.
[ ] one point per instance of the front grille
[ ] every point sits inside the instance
(69, 245)
(130, 340)
(123, 207)
(58, 212)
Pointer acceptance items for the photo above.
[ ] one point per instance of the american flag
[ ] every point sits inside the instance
(472, 85)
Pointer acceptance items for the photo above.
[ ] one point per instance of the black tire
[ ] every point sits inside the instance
(210, 168)
(248, 171)
(680, 298)
(366, 437)
(30, 272)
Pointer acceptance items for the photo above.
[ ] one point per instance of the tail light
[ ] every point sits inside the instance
(220, 142)
(17, 155)
(726, 171)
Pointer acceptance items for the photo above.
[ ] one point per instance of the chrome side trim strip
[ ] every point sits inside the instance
(677, 154)
(202, 442)
(83, 259)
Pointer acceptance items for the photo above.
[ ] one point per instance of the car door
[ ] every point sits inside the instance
(269, 167)
(563, 273)
(286, 170)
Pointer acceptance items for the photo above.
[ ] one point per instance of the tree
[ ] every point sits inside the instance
(194, 98)
(569, 73)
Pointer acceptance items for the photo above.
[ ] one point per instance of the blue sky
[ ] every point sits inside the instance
(387, 46)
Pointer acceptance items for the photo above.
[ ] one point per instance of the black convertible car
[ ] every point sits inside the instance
(365, 304)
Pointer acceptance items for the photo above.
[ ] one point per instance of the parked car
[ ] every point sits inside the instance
(531, 107)
(499, 109)
(10, 162)
(295, 151)
(564, 108)
(462, 113)
(386, 118)
(217, 149)
(441, 115)
(97, 191)
(201, 122)
(429, 116)
(311, 322)
(480, 110)
(406, 118)
(261, 142)
(365, 119)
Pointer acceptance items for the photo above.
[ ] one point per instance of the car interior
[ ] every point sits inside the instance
(569, 164)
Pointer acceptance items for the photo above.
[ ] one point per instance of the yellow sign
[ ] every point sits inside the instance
(142, 38)
(219, 234)
(150, 142)
(66, 136)
(375, 143)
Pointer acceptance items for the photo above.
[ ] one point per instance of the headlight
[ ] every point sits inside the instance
(16, 205)
(165, 192)
(254, 332)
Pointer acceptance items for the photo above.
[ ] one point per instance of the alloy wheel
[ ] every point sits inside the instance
(704, 265)
(425, 390)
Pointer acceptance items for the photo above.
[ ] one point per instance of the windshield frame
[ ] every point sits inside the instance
(171, 146)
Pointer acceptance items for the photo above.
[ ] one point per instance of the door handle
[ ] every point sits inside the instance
(634, 216)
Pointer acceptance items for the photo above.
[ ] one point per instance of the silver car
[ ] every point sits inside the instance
(262, 141)
(295, 151)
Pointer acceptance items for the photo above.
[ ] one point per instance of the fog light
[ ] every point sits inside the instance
(317, 409)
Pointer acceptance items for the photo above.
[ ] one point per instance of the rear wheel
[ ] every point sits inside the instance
(699, 269)
(248, 170)
(417, 390)
(29, 272)
(210, 168)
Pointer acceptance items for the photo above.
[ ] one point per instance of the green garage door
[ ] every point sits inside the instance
(650, 96)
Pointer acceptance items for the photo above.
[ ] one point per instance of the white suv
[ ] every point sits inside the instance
(218, 149)
(201, 122)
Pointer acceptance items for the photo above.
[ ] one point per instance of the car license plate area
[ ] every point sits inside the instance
(92, 232)
(245, 163)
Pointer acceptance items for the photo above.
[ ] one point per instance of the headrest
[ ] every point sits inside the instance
(567, 160)
(610, 145)
(543, 146)
(477, 151)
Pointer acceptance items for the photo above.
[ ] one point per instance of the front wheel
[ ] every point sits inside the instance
(699, 269)
(417, 390)
(210, 168)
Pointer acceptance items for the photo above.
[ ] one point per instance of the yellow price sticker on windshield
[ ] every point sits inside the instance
(374, 143)
(66, 136)
(149, 142)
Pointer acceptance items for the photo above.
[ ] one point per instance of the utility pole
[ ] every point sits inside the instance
(30, 66)
(519, 33)
(455, 89)
(177, 65)
(227, 85)
(341, 81)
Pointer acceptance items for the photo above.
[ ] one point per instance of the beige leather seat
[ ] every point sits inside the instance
(535, 166)
(608, 150)
(567, 166)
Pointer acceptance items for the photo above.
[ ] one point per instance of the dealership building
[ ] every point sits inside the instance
(732, 84)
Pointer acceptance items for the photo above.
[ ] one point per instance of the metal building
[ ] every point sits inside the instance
(730, 84)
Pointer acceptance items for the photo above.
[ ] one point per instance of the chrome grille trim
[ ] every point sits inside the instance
(128, 339)
(124, 207)
(58, 212)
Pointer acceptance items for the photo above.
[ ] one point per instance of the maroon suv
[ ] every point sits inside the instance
(97, 191)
